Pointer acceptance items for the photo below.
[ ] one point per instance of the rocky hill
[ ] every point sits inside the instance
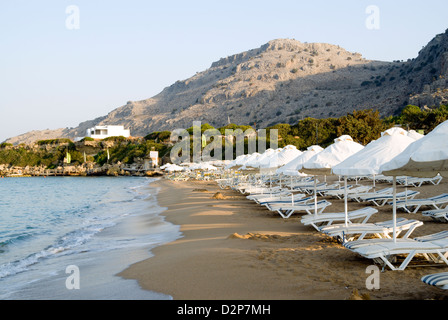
(283, 81)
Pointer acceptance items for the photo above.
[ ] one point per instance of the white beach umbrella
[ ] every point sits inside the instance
(256, 162)
(280, 157)
(254, 159)
(174, 167)
(202, 166)
(415, 135)
(322, 163)
(269, 160)
(242, 160)
(288, 153)
(368, 160)
(293, 166)
(426, 157)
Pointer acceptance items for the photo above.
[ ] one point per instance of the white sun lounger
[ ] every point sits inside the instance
(382, 230)
(259, 190)
(286, 211)
(260, 197)
(417, 182)
(440, 215)
(309, 188)
(439, 280)
(274, 205)
(415, 204)
(333, 187)
(362, 196)
(434, 248)
(351, 191)
(382, 199)
(327, 219)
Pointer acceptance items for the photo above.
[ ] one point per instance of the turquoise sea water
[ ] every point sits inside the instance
(100, 225)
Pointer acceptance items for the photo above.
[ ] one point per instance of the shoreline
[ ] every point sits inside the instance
(104, 240)
(234, 249)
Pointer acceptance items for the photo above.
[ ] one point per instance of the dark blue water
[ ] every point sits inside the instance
(100, 225)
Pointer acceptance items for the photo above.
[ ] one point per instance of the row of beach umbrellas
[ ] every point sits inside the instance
(396, 153)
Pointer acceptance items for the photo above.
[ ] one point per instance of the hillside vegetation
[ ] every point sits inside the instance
(363, 126)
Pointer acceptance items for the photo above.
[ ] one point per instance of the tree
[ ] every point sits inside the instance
(412, 116)
(363, 126)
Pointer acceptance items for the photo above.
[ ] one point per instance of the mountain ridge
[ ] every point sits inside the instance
(282, 81)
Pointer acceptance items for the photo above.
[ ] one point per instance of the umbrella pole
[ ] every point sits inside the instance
(292, 194)
(406, 194)
(394, 210)
(315, 196)
(345, 201)
(373, 182)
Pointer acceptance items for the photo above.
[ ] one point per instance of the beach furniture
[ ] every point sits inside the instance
(287, 210)
(362, 196)
(432, 248)
(339, 193)
(309, 187)
(332, 187)
(327, 219)
(440, 215)
(265, 197)
(259, 190)
(413, 205)
(382, 230)
(274, 205)
(439, 280)
(417, 182)
(291, 199)
(381, 199)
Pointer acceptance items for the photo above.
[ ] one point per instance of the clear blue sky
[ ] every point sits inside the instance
(53, 77)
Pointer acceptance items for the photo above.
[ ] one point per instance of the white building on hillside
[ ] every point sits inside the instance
(101, 132)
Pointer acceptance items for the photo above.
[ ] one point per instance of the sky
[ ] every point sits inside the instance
(63, 62)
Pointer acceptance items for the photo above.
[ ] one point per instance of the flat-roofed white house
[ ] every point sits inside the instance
(101, 132)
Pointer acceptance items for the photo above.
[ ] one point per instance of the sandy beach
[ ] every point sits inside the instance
(233, 248)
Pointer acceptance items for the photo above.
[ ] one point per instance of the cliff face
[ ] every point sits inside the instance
(284, 81)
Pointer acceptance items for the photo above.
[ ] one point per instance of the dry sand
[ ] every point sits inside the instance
(233, 248)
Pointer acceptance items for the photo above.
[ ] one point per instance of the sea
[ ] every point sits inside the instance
(67, 238)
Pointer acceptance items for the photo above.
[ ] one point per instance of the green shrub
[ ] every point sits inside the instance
(54, 141)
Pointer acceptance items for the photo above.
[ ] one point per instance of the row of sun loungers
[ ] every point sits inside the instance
(380, 247)
(410, 181)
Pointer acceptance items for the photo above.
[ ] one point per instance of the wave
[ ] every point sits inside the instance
(64, 245)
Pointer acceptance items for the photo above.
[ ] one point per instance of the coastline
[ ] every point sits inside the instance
(100, 231)
(234, 249)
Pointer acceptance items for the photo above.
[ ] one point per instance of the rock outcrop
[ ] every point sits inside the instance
(283, 81)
